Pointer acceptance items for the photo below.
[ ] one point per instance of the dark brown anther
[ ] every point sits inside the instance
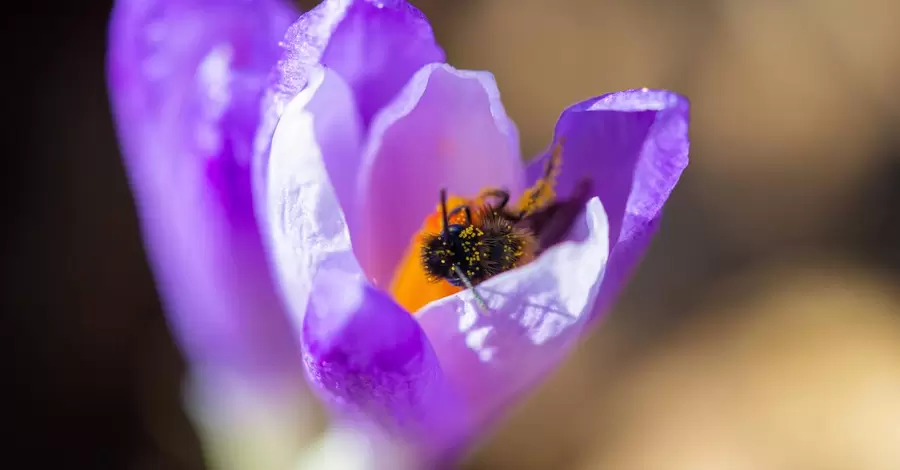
(551, 224)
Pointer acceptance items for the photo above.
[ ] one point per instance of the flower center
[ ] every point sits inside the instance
(466, 241)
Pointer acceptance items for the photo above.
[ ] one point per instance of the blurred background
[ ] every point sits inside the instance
(762, 331)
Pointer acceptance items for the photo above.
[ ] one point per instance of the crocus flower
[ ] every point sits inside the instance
(365, 124)
(185, 79)
(362, 124)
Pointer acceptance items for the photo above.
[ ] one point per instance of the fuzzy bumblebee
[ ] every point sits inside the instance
(491, 239)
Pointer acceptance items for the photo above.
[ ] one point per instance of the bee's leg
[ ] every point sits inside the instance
(501, 194)
(466, 210)
(462, 277)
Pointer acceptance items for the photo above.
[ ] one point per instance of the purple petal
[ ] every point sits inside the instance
(365, 354)
(306, 223)
(634, 144)
(185, 81)
(369, 357)
(534, 315)
(446, 129)
(376, 46)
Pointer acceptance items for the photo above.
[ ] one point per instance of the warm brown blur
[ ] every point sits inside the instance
(762, 331)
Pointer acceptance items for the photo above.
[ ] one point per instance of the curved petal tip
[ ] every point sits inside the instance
(374, 45)
(634, 144)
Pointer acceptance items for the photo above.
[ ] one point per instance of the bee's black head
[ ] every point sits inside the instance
(459, 249)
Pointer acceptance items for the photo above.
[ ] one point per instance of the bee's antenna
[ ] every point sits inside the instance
(446, 218)
(468, 284)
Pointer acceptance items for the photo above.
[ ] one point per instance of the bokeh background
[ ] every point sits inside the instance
(761, 332)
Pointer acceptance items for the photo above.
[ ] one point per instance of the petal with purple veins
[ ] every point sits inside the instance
(446, 129)
(365, 354)
(185, 80)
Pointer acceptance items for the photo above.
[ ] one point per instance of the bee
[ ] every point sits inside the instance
(491, 239)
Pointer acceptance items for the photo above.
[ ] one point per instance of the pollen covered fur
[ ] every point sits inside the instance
(468, 241)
